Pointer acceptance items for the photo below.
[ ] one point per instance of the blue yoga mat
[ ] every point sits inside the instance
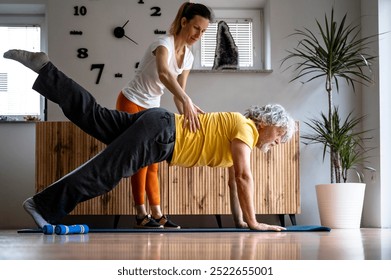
(183, 230)
(303, 228)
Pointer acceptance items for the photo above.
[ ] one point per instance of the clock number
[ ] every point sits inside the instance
(156, 12)
(141, 2)
(80, 11)
(100, 67)
(82, 53)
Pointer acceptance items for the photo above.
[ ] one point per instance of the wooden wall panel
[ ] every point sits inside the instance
(61, 147)
(276, 179)
(198, 190)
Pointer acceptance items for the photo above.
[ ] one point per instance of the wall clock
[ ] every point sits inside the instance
(119, 33)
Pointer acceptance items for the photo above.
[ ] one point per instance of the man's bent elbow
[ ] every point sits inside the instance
(243, 179)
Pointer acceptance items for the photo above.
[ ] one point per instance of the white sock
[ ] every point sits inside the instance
(29, 206)
(33, 60)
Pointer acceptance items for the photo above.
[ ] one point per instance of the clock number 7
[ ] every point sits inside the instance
(100, 67)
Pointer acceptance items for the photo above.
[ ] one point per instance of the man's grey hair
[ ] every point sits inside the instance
(273, 115)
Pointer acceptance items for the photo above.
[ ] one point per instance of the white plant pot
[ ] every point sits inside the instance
(340, 204)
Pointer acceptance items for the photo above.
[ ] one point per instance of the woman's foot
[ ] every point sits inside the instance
(33, 60)
(147, 222)
(166, 223)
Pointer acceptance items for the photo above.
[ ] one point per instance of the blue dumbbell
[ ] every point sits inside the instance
(73, 229)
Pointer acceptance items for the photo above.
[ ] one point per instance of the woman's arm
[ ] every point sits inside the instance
(182, 80)
(172, 84)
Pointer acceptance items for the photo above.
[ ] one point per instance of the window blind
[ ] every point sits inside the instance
(241, 31)
(3, 82)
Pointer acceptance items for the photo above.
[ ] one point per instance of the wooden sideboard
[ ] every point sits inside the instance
(61, 147)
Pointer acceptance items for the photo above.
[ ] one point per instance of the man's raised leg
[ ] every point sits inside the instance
(77, 104)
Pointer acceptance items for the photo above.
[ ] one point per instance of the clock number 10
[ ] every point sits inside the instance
(80, 10)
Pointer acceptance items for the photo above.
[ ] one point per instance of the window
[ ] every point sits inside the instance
(242, 33)
(21, 27)
(246, 29)
(17, 99)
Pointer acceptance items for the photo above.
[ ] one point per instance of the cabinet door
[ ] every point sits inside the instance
(198, 190)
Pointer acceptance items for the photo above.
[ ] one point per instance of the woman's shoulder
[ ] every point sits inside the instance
(164, 40)
(168, 39)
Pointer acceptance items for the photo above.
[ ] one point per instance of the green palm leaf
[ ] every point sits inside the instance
(334, 52)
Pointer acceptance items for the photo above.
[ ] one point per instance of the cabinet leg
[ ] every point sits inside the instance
(116, 220)
(218, 219)
(293, 219)
(281, 217)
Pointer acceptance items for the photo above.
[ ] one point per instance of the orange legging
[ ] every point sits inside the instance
(146, 179)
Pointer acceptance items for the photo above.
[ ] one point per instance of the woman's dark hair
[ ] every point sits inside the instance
(189, 11)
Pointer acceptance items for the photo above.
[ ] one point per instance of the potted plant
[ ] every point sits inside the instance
(340, 204)
(337, 52)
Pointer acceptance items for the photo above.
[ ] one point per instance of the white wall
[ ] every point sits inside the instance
(212, 92)
(17, 172)
(118, 55)
(377, 207)
(384, 10)
(370, 103)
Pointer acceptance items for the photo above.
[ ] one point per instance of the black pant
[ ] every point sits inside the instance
(133, 141)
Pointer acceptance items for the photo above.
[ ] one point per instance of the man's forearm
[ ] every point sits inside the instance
(245, 190)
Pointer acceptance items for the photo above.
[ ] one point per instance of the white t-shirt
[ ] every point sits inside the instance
(146, 88)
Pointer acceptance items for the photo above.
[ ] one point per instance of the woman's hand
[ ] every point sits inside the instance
(190, 112)
(199, 110)
(241, 224)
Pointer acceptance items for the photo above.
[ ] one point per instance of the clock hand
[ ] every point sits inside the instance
(131, 39)
(125, 24)
(119, 32)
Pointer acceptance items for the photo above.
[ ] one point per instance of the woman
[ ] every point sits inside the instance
(165, 65)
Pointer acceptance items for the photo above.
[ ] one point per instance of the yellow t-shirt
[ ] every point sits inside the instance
(211, 144)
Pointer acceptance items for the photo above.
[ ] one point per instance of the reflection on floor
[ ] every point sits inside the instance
(363, 244)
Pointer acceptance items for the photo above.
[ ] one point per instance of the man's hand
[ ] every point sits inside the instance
(260, 226)
(241, 224)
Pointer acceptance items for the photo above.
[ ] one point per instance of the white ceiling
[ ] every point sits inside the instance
(7, 9)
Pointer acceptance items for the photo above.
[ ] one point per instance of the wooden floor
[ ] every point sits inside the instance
(362, 244)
